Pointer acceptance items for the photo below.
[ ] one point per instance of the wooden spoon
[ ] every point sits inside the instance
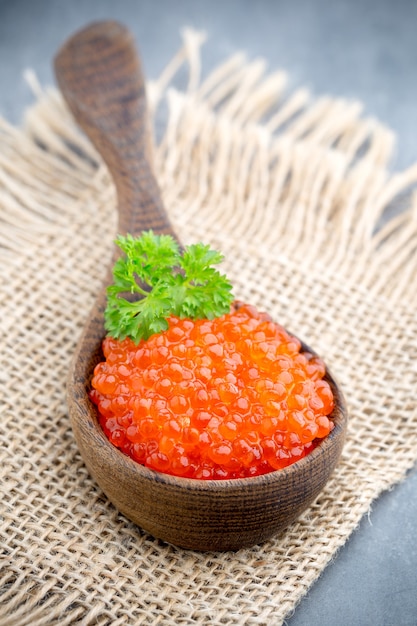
(99, 74)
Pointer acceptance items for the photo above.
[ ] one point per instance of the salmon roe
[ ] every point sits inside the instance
(229, 398)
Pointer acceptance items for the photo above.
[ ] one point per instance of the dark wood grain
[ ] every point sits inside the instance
(100, 77)
(99, 74)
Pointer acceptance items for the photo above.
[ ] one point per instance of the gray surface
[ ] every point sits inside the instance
(362, 50)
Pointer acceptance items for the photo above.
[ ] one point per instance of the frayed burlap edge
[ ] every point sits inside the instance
(293, 190)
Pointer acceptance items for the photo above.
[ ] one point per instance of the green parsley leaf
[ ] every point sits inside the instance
(153, 280)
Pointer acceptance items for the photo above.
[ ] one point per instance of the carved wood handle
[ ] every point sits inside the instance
(99, 73)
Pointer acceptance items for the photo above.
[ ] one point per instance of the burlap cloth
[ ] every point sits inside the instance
(291, 190)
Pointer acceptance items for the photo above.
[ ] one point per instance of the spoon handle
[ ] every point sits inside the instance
(100, 77)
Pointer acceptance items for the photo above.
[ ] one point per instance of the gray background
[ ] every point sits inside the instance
(362, 50)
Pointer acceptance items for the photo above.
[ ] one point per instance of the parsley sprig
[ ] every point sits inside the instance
(161, 282)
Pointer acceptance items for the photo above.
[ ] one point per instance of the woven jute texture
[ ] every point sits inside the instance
(292, 190)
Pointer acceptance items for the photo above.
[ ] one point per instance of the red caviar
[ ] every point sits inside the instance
(229, 398)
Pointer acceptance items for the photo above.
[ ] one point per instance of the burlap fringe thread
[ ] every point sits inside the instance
(295, 192)
(318, 160)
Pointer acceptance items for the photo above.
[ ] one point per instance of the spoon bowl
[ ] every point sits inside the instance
(99, 74)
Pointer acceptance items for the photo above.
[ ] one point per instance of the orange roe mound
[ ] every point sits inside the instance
(232, 397)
